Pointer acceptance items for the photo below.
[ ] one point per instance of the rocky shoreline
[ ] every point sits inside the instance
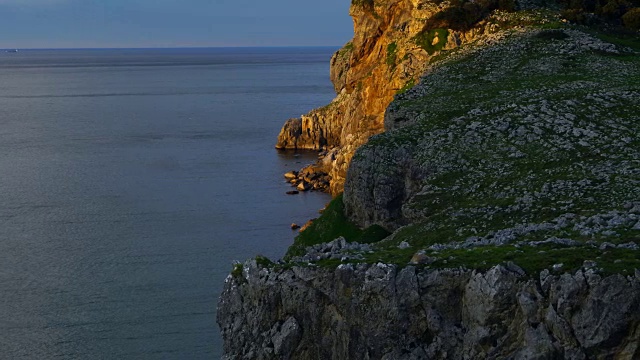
(309, 178)
(498, 215)
(379, 311)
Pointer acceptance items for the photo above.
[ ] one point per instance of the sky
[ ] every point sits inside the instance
(173, 23)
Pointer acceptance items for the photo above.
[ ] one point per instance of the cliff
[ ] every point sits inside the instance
(385, 312)
(393, 43)
(497, 216)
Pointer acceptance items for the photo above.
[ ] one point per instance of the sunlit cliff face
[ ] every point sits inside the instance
(392, 45)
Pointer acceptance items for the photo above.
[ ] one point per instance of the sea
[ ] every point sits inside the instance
(130, 180)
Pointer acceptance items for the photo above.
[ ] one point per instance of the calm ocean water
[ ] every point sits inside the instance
(129, 181)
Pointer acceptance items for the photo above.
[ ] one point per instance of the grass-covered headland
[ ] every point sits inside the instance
(527, 148)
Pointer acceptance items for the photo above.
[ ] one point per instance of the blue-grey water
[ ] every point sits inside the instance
(129, 181)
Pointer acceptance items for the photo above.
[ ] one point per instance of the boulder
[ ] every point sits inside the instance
(291, 175)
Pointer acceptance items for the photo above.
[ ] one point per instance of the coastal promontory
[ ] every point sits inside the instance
(487, 157)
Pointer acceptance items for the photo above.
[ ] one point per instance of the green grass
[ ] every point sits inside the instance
(263, 261)
(236, 272)
(331, 225)
(411, 83)
(535, 259)
(392, 54)
(348, 46)
(426, 39)
(346, 50)
(626, 39)
(460, 199)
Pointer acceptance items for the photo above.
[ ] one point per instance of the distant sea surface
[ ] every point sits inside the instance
(130, 180)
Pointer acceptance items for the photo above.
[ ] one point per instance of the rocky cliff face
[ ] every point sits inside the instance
(392, 44)
(498, 215)
(385, 312)
(529, 129)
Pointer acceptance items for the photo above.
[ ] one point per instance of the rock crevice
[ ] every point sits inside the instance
(382, 59)
(382, 311)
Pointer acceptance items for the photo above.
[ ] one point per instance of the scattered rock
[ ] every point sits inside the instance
(607, 245)
(336, 249)
(578, 135)
(421, 258)
(293, 192)
(310, 177)
(295, 226)
(404, 245)
(291, 175)
(303, 186)
(386, 309)
(557, 267)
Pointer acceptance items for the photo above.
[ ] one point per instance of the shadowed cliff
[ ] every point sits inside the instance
(393, 43)
(497, 216)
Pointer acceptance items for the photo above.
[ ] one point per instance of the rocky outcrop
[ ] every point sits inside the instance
(308, 178)
(391, 48)
(508, 180)
(507, 140)
(385, 312)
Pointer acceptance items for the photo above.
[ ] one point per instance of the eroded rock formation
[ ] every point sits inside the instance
(384, 312)
(392, 44)
(507, 186)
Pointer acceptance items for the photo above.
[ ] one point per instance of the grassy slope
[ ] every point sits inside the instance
(532, 133)
(331, 225)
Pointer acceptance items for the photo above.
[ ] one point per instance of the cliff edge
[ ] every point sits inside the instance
(497, 216)
(383, 311)
(392, 45)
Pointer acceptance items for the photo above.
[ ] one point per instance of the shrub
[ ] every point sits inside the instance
(614, 9)
(263, 261)
(574, 15)
(462, 15)
(507, 5)
(631, 19)
(332, 224)
(363, 3)
(411, 83)
(427, 40)
(237, 272)
(590, 12)
(392, 54)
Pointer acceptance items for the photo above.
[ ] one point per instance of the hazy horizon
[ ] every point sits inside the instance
(90, 24)
(175, 47)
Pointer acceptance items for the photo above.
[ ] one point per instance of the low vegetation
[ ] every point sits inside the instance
(331, 225)
(533, 151)
(432, 40)
(600, 12)
(363, 3)
(392, 54)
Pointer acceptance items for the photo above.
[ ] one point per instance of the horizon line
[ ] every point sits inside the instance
(170, 47)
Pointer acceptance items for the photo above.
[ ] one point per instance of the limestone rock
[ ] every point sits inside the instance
(473, 156)
(366, 77)
(291, 175)
(381, 312)
(309, 177)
